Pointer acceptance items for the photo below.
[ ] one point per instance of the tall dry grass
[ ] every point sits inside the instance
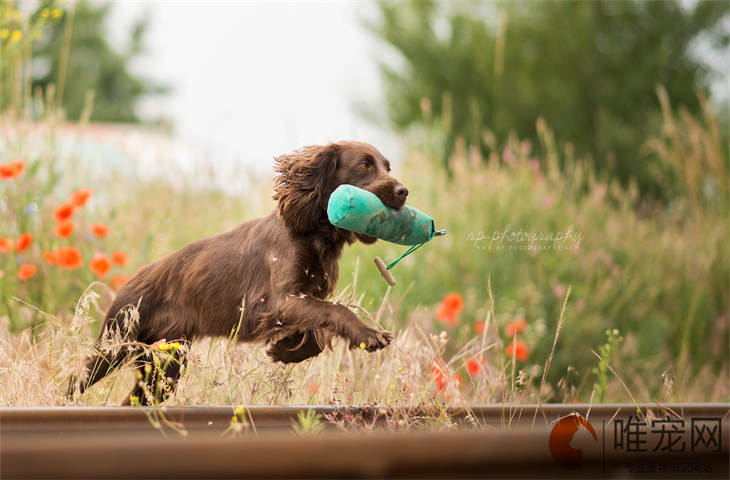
(656, 273)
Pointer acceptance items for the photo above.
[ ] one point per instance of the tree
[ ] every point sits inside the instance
(589, 68)
(92, 64)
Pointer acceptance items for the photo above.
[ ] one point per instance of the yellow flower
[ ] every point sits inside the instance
(45, 12)
(57, 13)
(169, 346)
(16, 36)
(4, 33)
(362, 345)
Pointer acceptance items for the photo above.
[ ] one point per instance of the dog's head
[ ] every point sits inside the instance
(306, 178)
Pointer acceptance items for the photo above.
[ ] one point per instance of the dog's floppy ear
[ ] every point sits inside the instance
(304, 180)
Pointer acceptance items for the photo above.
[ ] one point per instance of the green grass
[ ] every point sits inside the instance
(657, 275)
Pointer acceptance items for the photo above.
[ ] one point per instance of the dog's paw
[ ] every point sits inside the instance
(277, 354)
(371, 340)
(294, 348)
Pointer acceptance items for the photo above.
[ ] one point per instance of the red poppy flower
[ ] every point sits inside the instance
(6, 171)
(474, 366)
(64, 229)
(117, 281)
(99, 230)
(11, 170)
(519, 349)
(51, 257)
(119, 258)
(479, 327)
(6, 244)
(23, 242)
(439, 374)
(442, 377)
(449, 309)
(80, 197)
(64, 212)
(69, 258)
(26, 271)
(453, 301)
(515, 327)
(100, 265)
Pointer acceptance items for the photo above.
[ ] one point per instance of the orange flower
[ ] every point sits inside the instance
(69, 258)
(117, 281)
(453, 301)
(119, 258)
(449, 310)
(51, 257)
(519, 349)
(479, 327)
(11, 169)
(80, 197)
(6, 171)
(474, 366)
(100, 265)
(64, 229)
(64, 212)
(313, 388)
(26, 271)
(99, 230)
(439, 374)
(6, 244)
(443, 378)
(23, 242)
(516, 326)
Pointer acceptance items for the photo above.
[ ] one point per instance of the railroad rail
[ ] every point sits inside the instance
(518, 441)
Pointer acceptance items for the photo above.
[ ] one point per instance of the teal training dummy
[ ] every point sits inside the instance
(357, 210)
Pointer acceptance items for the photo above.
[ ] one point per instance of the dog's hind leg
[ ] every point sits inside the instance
(157, 377)
(95, 368)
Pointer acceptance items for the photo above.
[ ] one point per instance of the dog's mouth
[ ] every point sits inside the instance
(365, 238)
(386, 193)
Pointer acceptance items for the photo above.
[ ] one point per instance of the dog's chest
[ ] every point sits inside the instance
(319, 280)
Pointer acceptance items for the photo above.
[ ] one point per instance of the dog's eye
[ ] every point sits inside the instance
(365, 165)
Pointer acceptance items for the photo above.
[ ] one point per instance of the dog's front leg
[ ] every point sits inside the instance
(310, 313)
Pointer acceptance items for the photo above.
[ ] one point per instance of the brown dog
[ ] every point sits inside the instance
(277, 270)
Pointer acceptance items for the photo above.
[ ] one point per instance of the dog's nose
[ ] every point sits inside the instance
(401, 192)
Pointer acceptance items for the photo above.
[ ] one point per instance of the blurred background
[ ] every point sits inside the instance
(576, 152)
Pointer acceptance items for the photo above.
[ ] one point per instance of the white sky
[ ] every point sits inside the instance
(252, 79)
(255, 79)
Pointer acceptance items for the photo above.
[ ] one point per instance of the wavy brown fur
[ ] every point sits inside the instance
(280, 269)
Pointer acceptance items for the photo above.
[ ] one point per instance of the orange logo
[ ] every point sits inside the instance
(561, 436)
